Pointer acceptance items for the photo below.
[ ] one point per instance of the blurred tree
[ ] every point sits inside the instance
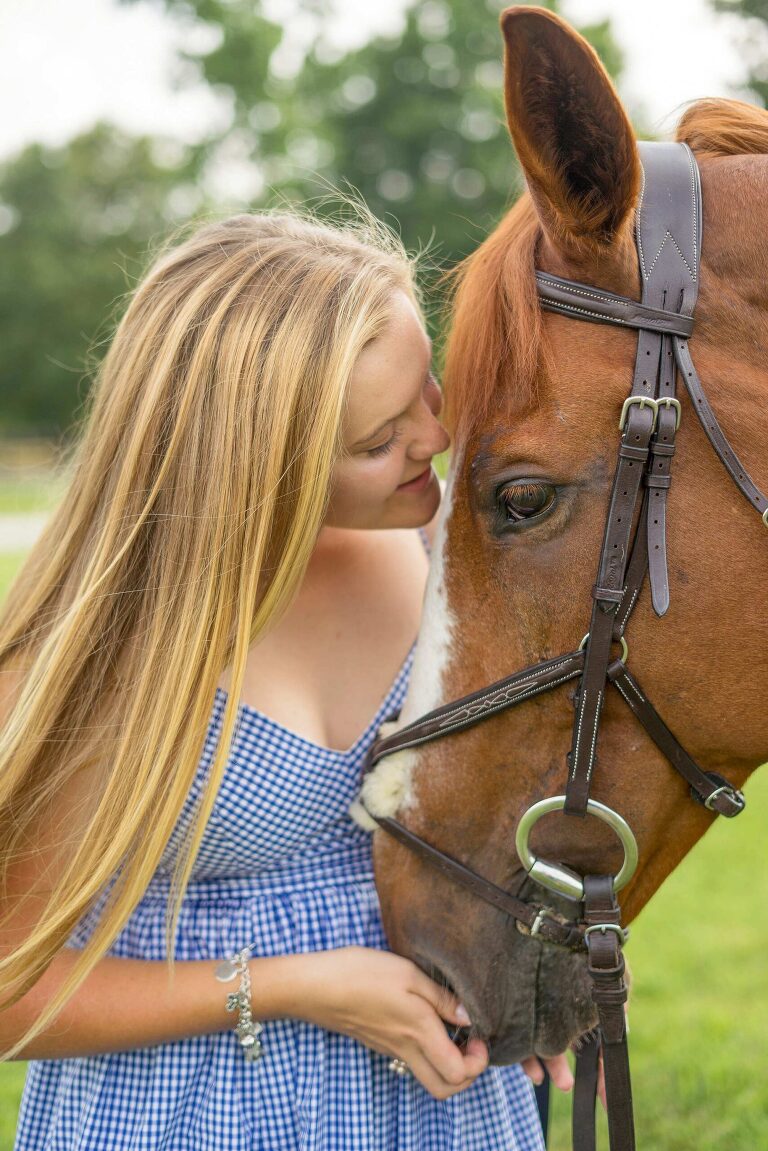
(75, 224)
(753, 40)
(415, 122)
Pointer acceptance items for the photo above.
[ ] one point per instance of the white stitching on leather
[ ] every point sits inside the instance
(638, 222)
(584, 695)
(682, 257)
(460, 717)
(585, 311)
(637, 692)
(457, 723)
(591, 760)
(621, 689)
(503, 692)
(691, 162)
(581, 292)
(630, 606)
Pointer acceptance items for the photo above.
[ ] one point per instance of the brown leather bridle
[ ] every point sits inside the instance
(668, 235)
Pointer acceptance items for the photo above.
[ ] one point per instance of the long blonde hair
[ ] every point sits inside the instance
(199, 485)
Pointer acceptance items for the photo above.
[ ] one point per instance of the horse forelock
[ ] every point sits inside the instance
(492, 355)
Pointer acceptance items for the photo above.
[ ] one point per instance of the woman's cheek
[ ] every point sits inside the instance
(390, 473)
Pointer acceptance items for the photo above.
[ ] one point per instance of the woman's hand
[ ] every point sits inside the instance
(386, 1002)
(559, 1071)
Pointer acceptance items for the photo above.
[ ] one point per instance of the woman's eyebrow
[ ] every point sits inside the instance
(372, 435)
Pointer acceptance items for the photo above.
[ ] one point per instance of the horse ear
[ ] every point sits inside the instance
(573, 138)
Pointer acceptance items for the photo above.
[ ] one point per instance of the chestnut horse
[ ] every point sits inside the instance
(533, 404)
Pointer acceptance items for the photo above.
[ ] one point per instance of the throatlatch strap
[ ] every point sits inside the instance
(736, 470)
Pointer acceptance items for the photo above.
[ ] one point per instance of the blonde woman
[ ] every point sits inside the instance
(195, 657)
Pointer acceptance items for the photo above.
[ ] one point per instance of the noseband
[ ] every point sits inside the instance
(668, 234)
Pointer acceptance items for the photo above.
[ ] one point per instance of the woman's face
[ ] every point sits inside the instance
(391, 431)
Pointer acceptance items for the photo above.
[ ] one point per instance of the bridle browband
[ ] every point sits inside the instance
(668, 234)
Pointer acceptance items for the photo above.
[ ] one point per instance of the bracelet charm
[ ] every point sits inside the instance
(247, 1029)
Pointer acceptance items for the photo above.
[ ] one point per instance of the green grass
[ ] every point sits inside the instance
(699, 1005)
(699, 1010)
(20, 496)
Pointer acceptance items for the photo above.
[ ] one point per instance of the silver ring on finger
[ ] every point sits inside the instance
(399, 1066)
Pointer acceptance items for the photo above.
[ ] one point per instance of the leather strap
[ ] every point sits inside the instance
(471, 709)
(668, 234)
(712, 790)
(538, 920)
(715, 434)
(605, 964)
(583, 1132)
(606, 594)
(658, 478)
(599, 307)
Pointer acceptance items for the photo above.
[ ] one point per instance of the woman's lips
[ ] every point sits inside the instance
(418, 483)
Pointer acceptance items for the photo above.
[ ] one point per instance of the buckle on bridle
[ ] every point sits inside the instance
(736, 797)
(622, 932)
(541, 915)
(642, 401)
(671, 402)
(765, 517)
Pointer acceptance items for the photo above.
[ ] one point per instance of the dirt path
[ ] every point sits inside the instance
(18, 533)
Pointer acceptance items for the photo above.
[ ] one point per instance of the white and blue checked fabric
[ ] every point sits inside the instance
(281, 863)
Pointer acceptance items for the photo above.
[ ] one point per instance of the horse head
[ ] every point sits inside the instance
(533, 400)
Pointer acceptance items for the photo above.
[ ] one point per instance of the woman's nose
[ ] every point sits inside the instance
(440, 440)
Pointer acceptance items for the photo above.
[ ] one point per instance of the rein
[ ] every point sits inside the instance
(668, 235)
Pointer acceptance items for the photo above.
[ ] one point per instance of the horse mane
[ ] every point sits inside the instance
(724, 128)
(492, 354)
(495, 346)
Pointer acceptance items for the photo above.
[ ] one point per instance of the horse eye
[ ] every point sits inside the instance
(526, 499)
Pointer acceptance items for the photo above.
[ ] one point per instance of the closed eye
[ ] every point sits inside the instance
(389, 444)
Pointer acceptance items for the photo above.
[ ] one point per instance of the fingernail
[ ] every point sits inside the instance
(461, 1013)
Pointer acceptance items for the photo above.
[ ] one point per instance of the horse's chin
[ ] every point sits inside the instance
(544, 1016)
(529, 998)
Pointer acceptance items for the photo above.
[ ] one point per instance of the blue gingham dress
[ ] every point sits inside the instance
(281, 863)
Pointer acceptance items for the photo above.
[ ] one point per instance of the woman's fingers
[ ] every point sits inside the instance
(533, 1069)
(452, 1063)
(601, 1082)
(443, 1067)
(445, 1003)
(559, 1071)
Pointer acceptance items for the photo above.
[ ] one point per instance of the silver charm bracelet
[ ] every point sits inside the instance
(247, 1029)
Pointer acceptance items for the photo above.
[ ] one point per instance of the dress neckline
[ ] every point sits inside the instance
(258, 716)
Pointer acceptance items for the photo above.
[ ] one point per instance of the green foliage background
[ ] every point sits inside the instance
(415, 123)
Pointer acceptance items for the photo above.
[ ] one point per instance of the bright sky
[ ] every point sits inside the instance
(63, 65)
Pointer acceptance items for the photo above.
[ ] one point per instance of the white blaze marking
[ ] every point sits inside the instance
(387, 788)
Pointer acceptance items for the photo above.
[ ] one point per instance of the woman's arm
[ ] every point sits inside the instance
(383, 1000)
(129, 1003)
(376, 997)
